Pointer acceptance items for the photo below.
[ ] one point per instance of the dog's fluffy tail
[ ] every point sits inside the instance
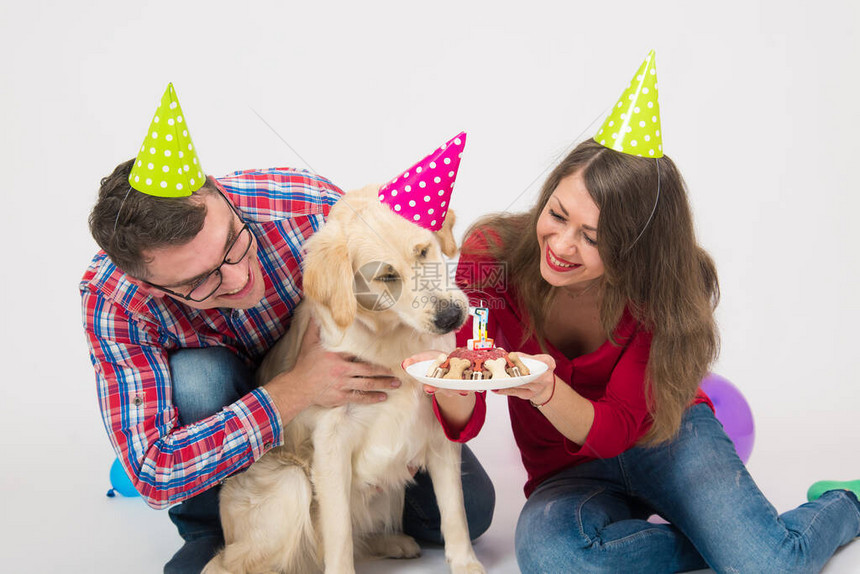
(271, 534)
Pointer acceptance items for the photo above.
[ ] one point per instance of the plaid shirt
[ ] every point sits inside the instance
(131, 333)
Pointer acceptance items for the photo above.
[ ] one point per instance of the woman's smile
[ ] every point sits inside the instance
(558, 264)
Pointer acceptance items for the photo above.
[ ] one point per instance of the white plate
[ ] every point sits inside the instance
(419, 371)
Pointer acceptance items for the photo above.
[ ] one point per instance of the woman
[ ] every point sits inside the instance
(609, 288)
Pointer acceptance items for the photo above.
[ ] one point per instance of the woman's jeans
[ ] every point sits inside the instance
(593, 517)
(207, 380)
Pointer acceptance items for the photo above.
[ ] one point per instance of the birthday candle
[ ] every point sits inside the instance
(479, 338)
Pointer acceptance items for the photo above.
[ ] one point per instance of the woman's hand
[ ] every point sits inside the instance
(539, 391)
(423, 356)
(455, 406)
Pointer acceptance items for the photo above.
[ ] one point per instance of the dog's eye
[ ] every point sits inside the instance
(420, 251)
(388, 278)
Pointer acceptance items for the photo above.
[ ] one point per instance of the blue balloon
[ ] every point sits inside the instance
(120, 482)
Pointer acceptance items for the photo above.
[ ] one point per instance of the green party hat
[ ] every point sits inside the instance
(633, 126)
(167, 164)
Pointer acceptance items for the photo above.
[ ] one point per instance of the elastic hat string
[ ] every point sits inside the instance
(118, 211)
(653, 210)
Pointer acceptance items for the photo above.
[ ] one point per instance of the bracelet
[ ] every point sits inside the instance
(551, 395)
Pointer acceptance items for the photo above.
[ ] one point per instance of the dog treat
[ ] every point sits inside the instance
(519, 369)
(497, 368)
(436, 370)
(477, 371)
(477, 364)
(456, 367)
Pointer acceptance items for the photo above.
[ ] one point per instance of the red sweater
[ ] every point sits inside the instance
(612, 378)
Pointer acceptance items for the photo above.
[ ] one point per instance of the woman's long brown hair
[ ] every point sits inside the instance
(653, 266)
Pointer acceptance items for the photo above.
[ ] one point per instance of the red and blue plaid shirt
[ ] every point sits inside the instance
(130, 335)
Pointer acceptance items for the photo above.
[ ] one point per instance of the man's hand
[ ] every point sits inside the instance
(327, 379)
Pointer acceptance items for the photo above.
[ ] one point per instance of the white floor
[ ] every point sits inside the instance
(57, 518)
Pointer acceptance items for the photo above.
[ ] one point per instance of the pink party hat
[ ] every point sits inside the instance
(421, 193)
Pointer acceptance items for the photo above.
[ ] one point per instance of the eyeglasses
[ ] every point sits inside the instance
(208, 285)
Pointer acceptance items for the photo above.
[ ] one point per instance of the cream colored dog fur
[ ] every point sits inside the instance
(288, 512)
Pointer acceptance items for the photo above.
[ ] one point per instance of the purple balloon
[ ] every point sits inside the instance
(733, 411)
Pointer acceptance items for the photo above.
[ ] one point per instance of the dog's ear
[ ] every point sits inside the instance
(446, 235)
(328, 276)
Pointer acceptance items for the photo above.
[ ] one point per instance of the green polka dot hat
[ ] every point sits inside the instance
(167, 163)
(633, 126)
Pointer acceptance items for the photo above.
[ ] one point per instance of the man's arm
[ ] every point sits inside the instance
(167, 462)
(170, 463)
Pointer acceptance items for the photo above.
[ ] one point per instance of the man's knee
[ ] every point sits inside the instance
(206, 380)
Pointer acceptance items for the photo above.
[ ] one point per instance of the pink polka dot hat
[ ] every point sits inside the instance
(421, 194)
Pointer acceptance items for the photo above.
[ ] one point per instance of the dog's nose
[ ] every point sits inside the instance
(448, 316)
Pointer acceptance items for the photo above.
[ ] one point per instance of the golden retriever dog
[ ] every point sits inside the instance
(334, 491)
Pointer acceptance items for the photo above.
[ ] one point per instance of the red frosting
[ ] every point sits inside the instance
(477, 357)
(478, 354)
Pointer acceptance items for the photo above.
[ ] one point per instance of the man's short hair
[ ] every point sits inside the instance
(127, 223)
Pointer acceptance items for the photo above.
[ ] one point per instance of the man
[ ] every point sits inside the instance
(196, 280)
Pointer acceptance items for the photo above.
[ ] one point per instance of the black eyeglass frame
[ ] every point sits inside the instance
(245, 228)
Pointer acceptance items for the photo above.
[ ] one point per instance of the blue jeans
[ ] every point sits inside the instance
(593, 517)
(207, 380)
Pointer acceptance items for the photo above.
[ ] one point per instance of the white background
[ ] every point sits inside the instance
(759, 107)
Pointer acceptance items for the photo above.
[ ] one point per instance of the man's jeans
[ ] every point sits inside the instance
(593, 517)
(207, 380)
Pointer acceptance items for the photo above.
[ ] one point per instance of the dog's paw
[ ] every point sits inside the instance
(470, 567)
(393, 546)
